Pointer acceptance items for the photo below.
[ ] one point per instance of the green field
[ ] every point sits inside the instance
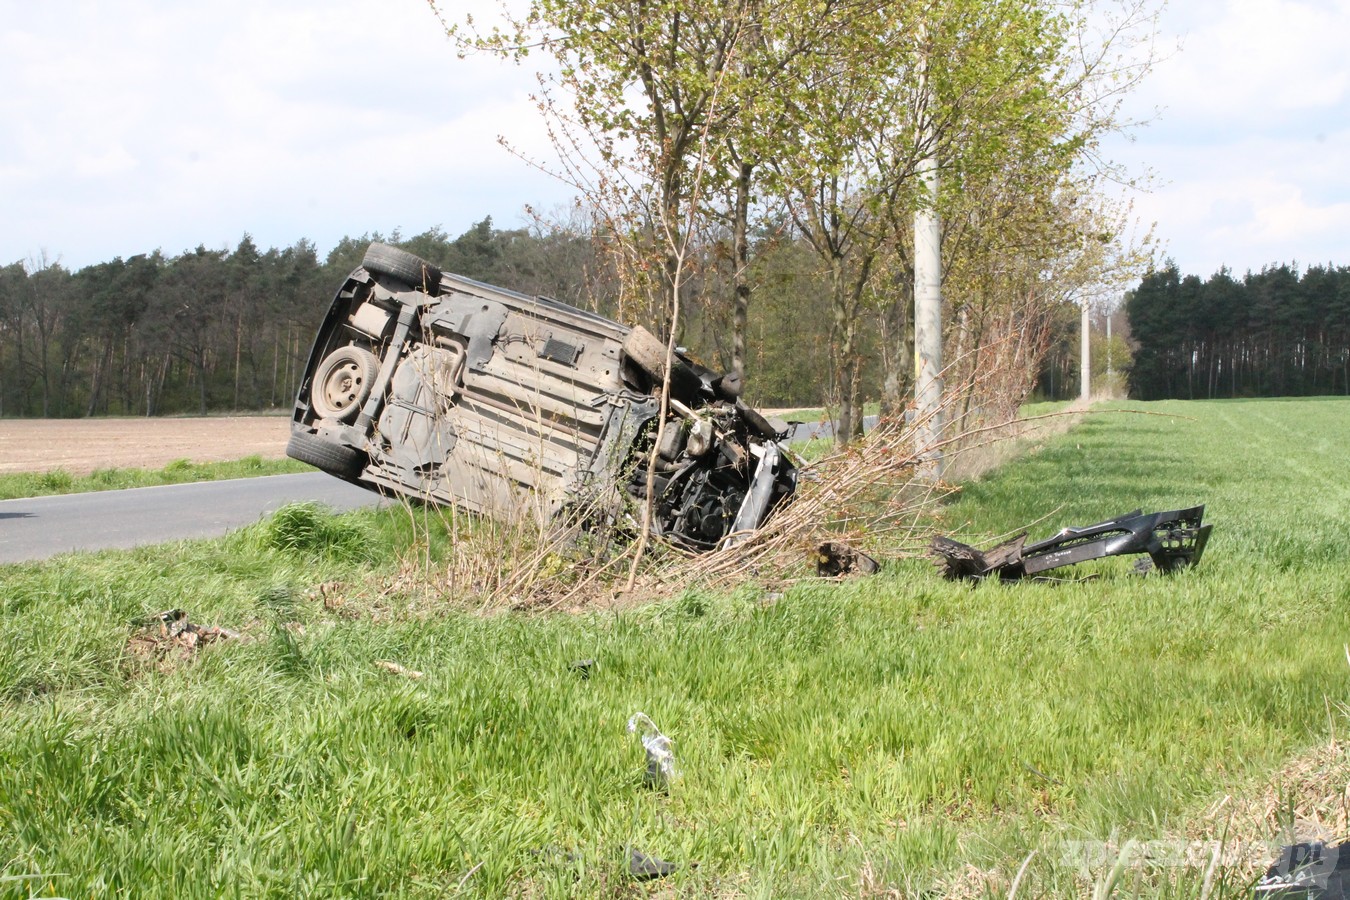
(883, 737)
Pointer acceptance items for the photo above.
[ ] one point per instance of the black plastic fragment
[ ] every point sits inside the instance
(645, 868)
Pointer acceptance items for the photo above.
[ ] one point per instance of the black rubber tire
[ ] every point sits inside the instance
(329, 456)
(729, 386)
(383, 259)
(646, 351)
(757, 422)
(342, 382)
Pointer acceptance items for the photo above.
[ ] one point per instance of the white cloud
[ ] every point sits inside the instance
(1246, 63)
(1259, 202)
(103, 162)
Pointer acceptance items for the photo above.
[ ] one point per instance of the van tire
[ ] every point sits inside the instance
(329, 456)
(382, 259)
(647, 352)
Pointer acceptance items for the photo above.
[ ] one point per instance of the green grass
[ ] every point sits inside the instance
(1043, 407)
(884, 732)
(180, 471)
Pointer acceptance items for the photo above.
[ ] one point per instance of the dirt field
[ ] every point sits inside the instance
(79, 446)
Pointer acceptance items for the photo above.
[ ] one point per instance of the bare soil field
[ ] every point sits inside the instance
(79, 446)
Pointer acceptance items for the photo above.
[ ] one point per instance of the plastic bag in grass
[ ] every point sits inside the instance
(660, 756)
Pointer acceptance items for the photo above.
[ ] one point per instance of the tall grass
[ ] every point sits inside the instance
(890, 736)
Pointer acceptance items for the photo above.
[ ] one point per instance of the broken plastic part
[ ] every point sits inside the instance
(700, 438)
(660, 755)
(1173, 540)
(1310, 870)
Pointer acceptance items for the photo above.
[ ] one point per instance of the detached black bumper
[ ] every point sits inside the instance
(1173, 540)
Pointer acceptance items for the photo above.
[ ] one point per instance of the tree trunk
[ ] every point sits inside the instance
(740, 277)
(849, 425)
(238, 347)
(96, 384)
(276, 356)
(201, 378)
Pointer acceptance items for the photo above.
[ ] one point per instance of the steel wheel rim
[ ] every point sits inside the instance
(342, 387)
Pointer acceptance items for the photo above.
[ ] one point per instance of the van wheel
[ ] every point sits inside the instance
(646, 351)
(383, 259)
(329, 456)
(343, 382)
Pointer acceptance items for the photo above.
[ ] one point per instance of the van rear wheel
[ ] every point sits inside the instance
(646, 351)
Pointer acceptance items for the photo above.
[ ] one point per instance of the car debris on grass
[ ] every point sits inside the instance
(836, 558)
(660, 753)
(171, 636)
(1308, 870)
(1172, 540)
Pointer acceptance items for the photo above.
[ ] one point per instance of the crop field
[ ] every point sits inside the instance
(897, 736)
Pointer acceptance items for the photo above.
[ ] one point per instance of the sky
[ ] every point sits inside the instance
(148, 124)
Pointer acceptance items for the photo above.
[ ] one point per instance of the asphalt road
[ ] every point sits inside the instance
(41, 527)
(805, 431)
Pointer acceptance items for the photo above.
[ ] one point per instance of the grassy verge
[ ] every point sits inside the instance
(883, 737)
(59, 481)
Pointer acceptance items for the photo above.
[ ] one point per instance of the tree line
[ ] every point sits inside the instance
(210, 331)
(1274, 333)
(213, 330)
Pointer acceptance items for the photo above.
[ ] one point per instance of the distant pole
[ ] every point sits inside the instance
(1108, 347)
(928, 295)
(1085, 364)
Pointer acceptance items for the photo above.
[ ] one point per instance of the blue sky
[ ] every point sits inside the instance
(148, 124)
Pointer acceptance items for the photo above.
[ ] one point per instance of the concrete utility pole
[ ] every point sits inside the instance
(1085, 364)
(1109, 373)
(928, 299)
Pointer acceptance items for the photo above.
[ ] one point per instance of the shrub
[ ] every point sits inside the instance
(56, 480)
(305, 528)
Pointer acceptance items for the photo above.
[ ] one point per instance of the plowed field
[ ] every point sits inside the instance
(79, 446)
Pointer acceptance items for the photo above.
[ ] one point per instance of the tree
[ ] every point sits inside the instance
(44, 301)
(187, 310)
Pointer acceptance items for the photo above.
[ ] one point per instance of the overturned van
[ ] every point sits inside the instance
(446, 390)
